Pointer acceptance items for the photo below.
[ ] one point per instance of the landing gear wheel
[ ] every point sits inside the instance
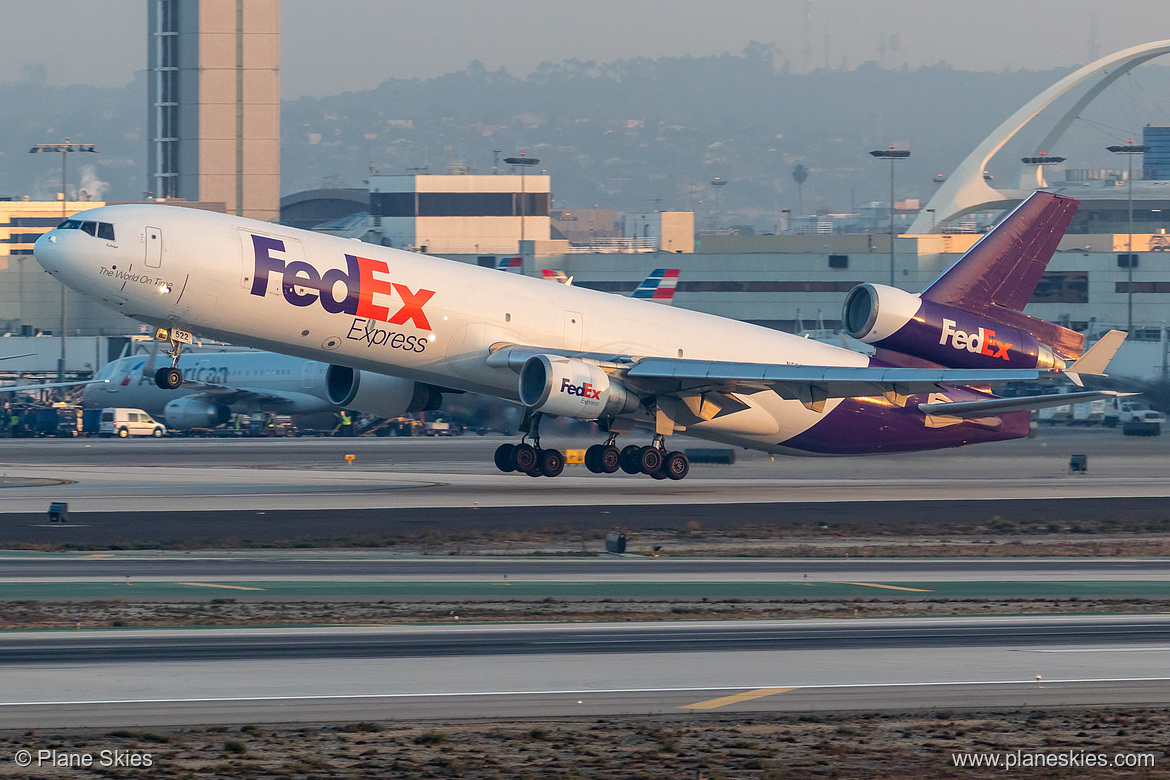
(551, 462)
(503, 457)
(593, 458)
(168, 378)
(610, 459)
(649, 460)
(524, 458)
(628, 459)
(676, 465)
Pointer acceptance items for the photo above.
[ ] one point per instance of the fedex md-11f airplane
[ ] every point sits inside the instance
(400, 329)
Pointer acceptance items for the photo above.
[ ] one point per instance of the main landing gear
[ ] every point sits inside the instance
(530, 459)
(653, 460)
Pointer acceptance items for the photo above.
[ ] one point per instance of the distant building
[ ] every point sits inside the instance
(461, 213)
(1156, 162)
(666, 231)
(214, 103)
(584, 226)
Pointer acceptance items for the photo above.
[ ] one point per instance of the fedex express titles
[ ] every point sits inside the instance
(302, 285)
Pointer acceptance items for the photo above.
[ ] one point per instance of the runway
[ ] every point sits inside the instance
(75, 679)
(282, 490)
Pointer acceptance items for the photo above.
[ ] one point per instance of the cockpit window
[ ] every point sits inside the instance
(103, 230)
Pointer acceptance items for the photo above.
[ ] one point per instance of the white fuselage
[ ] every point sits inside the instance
(244, 381)
(415, 316)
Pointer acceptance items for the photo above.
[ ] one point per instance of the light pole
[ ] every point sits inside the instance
(1129, 149)
(892, 154)
(64, 149)
(524, 163)
(718, 183)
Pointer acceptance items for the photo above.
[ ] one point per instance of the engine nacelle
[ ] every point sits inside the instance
(191, 412)
(903, 322)
(378, 394)
(572, 388)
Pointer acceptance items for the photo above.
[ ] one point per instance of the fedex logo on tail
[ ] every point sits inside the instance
(982, 342)
(585, 390)
(303, 285)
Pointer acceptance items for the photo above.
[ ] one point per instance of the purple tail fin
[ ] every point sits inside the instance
(998, 275)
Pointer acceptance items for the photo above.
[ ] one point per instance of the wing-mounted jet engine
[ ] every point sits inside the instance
(378, 394)
(972, 316)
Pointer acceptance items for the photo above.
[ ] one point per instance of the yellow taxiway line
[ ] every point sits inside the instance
(213, 585)
(886, 587)
(723, 701)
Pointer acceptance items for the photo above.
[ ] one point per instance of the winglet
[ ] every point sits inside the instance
(1096, 359)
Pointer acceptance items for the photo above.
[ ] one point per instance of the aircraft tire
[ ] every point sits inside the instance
(593, 458)
(677, 465)
(503, 457)
(610, 459)
(649, 460)
(524, 457)
(168, 378)
(551, 462)
(628, 459)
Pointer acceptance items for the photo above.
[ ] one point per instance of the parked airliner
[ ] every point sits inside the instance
(400, 329)
(215, 386)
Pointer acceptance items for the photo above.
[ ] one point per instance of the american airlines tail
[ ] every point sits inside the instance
(659, 286)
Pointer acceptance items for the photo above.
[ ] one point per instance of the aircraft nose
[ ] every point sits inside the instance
(47, 251)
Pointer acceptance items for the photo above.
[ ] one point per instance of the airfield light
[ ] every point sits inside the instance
(891, 154)
(64, 149)
(1129, 149)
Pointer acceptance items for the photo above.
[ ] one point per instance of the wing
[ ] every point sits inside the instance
(17, 388)
(226, 394)
(811, 385)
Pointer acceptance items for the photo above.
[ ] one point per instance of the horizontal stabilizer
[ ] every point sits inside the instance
(1021, 404)
(1096, 360)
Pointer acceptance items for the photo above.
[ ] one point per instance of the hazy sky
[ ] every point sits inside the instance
(341, 45)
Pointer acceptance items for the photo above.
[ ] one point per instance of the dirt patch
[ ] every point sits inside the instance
(18, 615)
(712, 747)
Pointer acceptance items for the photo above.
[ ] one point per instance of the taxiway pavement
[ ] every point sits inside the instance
(74, 679)
(281, 490)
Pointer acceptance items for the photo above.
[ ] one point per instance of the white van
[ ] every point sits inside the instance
(121, 422)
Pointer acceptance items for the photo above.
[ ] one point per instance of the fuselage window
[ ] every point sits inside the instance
(89, 227)
(105, 230)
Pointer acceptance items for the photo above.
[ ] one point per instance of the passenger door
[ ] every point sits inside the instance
(153, 247)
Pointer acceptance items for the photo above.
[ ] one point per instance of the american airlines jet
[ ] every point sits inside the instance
(215, 386)
(400, 329)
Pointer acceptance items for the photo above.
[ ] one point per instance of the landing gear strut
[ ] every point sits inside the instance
(171, 377)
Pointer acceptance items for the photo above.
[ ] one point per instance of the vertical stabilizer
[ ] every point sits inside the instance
(997, 277)
(1005, 266)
